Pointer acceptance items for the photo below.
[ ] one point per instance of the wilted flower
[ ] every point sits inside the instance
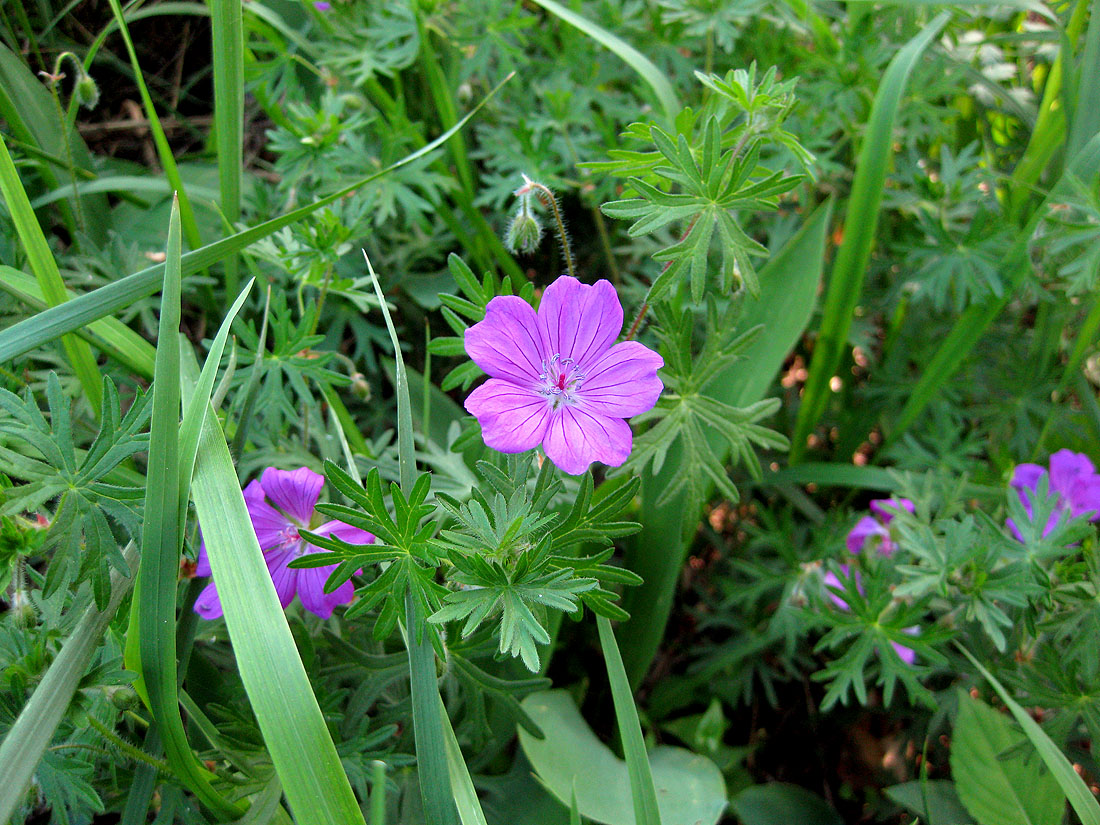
(294, 494)
(875, 527)
(555, 378)
(1072, 477)
(830, 581)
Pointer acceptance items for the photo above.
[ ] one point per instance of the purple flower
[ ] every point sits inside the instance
(1072, 477)
(875, 526)
(295, 494)
(830, 580)
(557, 378)
(322, 5)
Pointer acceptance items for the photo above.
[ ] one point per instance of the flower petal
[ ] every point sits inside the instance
(1084, 497)
(345, 532)
(270, 525)
(882, 507)
(208, 604)
(623, 382)
(295, 492)
(580, 321)
(513, 418)
(284, 578)
(865, 528)
(576, 437)
(311, 590)
(1066, 467)
(507, 343)
(202, 563)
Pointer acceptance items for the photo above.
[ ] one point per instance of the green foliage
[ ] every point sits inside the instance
(687, 415)
(81, 538)
(714, 158)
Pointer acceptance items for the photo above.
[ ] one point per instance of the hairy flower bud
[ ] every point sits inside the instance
(86, 91)
(22, 610)
(124, 698)
(524, 232)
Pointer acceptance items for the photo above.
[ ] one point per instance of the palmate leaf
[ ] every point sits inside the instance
(81, 533)
(520, 594)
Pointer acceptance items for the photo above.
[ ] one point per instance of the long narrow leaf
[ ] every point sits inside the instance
(656, 79)
(642, 790)
(164, 151)
(1073, 786)
(46, 272)
(109, 335)
(107, 300)
(161, 540)
(849, 269)
(228, 40)
(272, 672)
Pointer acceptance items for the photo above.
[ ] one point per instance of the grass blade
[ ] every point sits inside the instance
(642, 789)
(850, 267)
(465, 796)
(109, 335)
(164, 151)
(656, 79)
(161, 542)
(28, 738)
(272, 672)
(1086, 109)
(427, 705)
(107, 300)
(228, 41)
(1080, 798)
(47, 274)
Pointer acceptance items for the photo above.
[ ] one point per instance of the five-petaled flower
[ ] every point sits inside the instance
(294, 493)
(557, 378)
(875, 528)
(1072, 477)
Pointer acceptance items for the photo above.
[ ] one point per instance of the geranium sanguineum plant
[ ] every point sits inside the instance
(280, 504)
(557, 377)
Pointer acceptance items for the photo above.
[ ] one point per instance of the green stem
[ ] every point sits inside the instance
(70, 164)
(136, 754)
(550, 200)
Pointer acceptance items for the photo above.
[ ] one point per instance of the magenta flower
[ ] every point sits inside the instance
(830, 580)
(1071, 476)
(295, 494)
(322, 5)
(875, 527)
(557, 378)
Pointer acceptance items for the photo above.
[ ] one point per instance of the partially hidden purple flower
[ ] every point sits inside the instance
(557, 377)
(1071, 476)
(322, 5)
(830, 580)
(876, 527)
(280, 504)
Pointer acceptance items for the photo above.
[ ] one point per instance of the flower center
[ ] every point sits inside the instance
(560, 379)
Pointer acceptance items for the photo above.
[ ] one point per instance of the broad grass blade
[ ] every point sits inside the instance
(642, 790)
(47, 274)
(1084, 804)
(850, 266)
(161, 539)
(109, 335)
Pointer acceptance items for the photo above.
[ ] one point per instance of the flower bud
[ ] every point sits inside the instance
(124, 698)
(86, 91)
(360, 386)
(22, 610)
(524, 232)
